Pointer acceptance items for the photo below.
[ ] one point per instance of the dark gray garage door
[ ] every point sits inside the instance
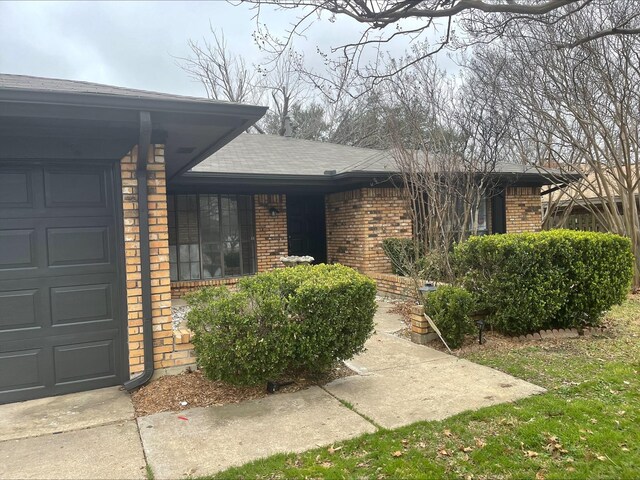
(61, 322)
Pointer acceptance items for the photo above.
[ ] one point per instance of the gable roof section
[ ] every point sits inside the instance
(191, 128)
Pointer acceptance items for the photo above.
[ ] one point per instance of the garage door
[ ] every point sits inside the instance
(61, 320)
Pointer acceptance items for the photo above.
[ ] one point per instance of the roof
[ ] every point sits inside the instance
(254, 154)
(273, 154)
(42, 84)
(65, 114)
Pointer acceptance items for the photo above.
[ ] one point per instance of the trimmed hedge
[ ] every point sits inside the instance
(554, 279)
(304, 318)
(449, 308)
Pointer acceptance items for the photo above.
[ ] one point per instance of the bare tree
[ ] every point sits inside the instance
(446, 150)
(576, 110)
(281, 79)
(419, 22)
(224, 75)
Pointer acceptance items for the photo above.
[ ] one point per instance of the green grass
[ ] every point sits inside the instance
(586, 426)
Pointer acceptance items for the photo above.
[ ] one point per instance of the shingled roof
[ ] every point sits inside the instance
(253, 154)
(41, 84)
(272, 154)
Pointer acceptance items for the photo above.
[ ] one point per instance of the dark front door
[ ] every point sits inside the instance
(306, 226)
(61, 325)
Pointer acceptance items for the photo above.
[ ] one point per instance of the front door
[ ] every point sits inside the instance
(61, 319)
(306, 226)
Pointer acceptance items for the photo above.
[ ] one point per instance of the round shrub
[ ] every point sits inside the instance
(449, 308)
(555, 279)
(303, 318)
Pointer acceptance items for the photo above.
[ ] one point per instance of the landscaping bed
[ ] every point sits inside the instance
(585, 426)
(191, 389)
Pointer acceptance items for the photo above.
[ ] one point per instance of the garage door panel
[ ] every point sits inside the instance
(17, 249)
(75, 187)
(85, 361)
(15, 188)
(19, 309)
(81, 304)
(78, 246)
(22, 369)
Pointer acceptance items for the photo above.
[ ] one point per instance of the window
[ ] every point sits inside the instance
(211, 236)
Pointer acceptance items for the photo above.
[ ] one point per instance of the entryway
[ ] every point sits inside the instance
(306, 226)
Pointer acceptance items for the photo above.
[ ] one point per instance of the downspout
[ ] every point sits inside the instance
(144, 142)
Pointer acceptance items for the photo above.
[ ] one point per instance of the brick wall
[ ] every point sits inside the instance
(178, 289)
(357, 223)
(394, 285)
(271, 231)
(523, 209)
(159, 252)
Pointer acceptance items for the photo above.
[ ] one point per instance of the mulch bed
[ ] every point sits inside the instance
(191, 389)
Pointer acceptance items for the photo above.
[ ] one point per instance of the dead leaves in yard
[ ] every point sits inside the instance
(397, 454)
(333, 449)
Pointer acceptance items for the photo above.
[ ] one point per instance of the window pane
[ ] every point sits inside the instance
(231, 259)
(194, 253)
(195, 271)
(173, 271)
(185, 271)
(187, 236)
(209, 219)
(211, 267)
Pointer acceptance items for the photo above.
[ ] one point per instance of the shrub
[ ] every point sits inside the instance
(555, 279)
(449, 308)
(409, 257)
(403, 253)
(303, 318)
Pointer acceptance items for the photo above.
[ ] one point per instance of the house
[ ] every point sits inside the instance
(592, 202)
(113, 200)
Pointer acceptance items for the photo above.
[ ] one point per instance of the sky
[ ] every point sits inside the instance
(137, 44)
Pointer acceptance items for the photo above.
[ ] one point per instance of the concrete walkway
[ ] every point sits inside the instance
(94, 434)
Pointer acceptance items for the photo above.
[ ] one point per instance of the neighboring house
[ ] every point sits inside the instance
(585, 203)
(114, 200)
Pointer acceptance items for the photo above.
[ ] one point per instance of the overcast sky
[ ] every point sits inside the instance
(134, 44)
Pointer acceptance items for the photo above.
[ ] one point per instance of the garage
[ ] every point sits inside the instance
(85, 290)
(61, 311)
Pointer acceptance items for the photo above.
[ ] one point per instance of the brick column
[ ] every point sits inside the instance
(159, 256)
(357, 223)
(271, 231)
(523, 209)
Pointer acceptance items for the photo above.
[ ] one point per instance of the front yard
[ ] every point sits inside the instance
(585, 426)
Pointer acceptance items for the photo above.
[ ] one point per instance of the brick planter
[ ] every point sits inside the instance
(421, 331)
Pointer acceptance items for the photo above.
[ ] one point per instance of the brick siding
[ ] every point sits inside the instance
(523, 209)
(357, 223)
(178, 289)
(164, 356)
(391, 284)
(271, 231)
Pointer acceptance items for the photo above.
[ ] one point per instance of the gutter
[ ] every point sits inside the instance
(145, 259)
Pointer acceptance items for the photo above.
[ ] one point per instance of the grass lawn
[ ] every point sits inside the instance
(586, 426)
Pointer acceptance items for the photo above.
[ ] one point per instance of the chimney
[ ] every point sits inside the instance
(288, 128)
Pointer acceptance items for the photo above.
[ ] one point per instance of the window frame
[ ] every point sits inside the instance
(253, 240)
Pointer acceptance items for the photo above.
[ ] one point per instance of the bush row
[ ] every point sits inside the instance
(555, 279)
(303, 318)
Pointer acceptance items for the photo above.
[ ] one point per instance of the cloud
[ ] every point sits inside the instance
(135, 44)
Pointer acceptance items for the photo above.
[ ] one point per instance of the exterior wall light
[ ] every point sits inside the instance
(273, 211)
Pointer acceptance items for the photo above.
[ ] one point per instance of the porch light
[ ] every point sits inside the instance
(273, 211)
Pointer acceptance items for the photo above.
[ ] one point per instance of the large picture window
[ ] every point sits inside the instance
(211, 236)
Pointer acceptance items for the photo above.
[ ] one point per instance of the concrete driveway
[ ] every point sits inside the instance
(95, 435)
